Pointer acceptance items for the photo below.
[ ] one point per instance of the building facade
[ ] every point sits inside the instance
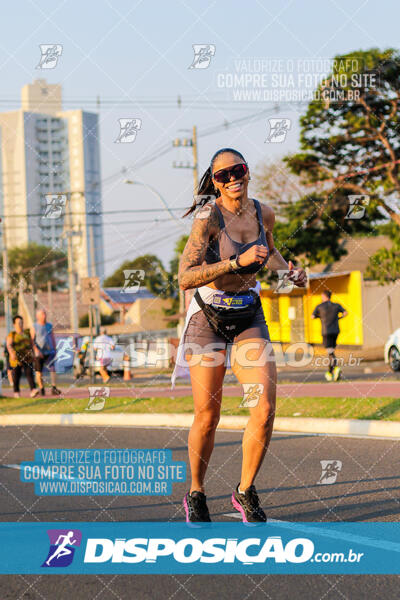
(50, 158)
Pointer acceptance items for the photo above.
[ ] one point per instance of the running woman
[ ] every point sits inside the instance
(230, 242)
(329, 313)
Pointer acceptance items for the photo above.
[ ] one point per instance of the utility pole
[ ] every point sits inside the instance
(190, 143)
(6, 284)
(69, 233)
(96, 311)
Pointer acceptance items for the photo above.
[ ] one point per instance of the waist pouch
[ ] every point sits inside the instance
(229, 322)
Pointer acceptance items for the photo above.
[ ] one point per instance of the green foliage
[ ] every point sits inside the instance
(174, 263)
(343, 137)
(36, 265)
(174, 267)
(340, 138)
(156, 278)
(384, 265)
(314, 226)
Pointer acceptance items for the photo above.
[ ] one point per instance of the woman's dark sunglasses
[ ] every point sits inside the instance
(237, 171)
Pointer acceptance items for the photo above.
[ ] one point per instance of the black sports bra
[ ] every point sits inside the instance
(224, 246)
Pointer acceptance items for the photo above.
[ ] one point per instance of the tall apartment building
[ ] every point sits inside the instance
(48, 151)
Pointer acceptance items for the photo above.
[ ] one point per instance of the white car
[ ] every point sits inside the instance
(117, 355)
(392, 351)
(117, 365)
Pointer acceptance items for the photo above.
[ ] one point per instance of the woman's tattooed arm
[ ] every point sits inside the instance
(192, 273)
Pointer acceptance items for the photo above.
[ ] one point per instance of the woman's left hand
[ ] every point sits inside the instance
(297, 276)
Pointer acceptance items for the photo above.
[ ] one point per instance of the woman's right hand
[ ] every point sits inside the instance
(255, 254)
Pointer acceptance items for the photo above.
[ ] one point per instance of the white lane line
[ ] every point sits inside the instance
(237, 515)
(311, 528)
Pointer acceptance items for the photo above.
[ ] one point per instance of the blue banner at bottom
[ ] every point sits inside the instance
(216, 548)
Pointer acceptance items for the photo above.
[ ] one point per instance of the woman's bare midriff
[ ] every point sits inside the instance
(234, 282)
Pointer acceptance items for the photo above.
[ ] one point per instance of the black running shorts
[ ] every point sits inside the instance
(329, 340)
(200, 332)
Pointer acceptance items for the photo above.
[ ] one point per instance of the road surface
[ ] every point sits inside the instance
(367, 489)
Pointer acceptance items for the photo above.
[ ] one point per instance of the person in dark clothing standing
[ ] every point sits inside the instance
(329, 313)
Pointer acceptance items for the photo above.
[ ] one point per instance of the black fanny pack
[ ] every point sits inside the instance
(229, 322)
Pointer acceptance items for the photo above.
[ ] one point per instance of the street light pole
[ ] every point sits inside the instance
(155, 193)
(96, 312)
(176, 219)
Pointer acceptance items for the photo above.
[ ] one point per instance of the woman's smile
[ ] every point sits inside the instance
(237, 186)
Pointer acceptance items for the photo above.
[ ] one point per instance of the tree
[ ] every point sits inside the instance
(36, 265)
(174, 267)
(384, 265)
(156, 278)
(277, 185)
(350, 155)
(354, 145)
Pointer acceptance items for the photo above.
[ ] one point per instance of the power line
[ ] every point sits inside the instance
(99, 213)
(210, 131)
(107, 223)
(150, 243)
(64, 259)
(156, 102)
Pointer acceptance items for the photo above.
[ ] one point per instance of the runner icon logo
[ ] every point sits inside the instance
(128, 129)
(97, 397)
(62, 547)
(50, 53)
(251, 394)
(202, 55)
(133, 279)
(278, 130)
(55, 204)
(330, 470)
(357, 206)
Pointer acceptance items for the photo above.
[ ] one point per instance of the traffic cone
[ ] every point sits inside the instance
(127, 369)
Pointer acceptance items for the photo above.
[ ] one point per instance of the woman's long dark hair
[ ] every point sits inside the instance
(206, 187)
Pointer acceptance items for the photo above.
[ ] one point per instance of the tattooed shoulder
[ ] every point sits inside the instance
(203, 229)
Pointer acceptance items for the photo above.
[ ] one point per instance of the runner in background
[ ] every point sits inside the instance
(329, 313)
(82, 352)
(20, 349)
(45, 349)
(103, 345)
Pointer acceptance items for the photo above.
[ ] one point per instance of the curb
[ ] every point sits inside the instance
(353, 427)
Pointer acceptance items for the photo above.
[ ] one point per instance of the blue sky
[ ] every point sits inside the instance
(131, 54)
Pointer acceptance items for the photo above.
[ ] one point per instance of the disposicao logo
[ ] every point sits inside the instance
(62, 547)
(191, 550)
